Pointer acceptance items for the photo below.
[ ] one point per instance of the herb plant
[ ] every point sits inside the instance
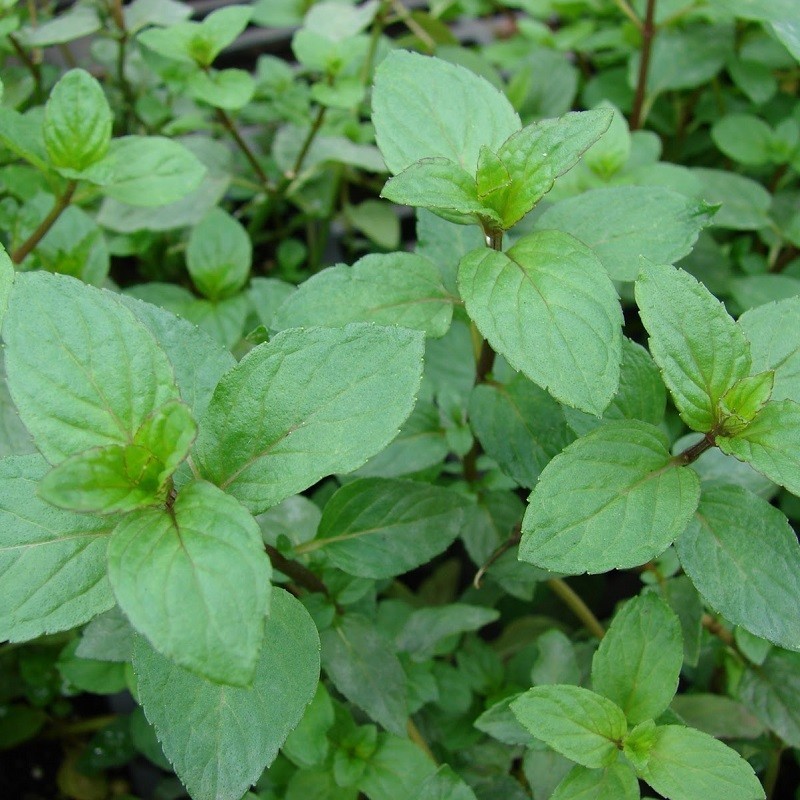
(316, 520)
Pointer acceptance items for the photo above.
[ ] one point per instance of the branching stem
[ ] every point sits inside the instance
(19, 255)
(648, 34)
(573, 601)
(247, 152)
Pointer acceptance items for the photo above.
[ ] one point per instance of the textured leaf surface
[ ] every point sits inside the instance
(581, 725)
(52, 562)
(743, 557)
(612, 500)
(195, 581)
(616, 782)
(639, 660)
(82, 371)
(306, 404)
(220, 738)
(699, 348)
(549, 308)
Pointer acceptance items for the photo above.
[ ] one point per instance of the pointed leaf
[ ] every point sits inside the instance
(218, 255)
(492, 174)
(616, 782)
(744, 400)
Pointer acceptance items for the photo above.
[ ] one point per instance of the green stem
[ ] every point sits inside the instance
(32, 66)
(298, 572)
(19, 255)
(306, 146)
(573, 601)
(648, 34)
(773, 770)
(512, 541)
(405, 17)
(419, 740)
(229, 126)
(628, 11)
(694, 452)
(378, 25)
(91, 725)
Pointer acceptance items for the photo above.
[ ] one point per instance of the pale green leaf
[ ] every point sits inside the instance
(717, 715)
(77, 22)
(194, 579)
(549, 308)
(744, 138)
(639, 659)
(230, 89)
(219, 738)
(743, 557)
(616, 782)
(396, 770)
(581, 725)
(613, 499)
(744, 202)
(699, 348)
(306, 404)
(6, 282)
(52, 562)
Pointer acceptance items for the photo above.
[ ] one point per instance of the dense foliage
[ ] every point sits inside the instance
(396, 418)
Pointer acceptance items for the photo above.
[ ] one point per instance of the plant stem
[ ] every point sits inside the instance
(573, 601)
(32, 66)
(229, 126)
(374, 37)
(405, 16)
(419, 740)
(648, 34)
(512, 541)
(694, 452)
(296, 571)
(717, 629)
(773, 770)
(90, 725)
(628, 11)
(18, 255)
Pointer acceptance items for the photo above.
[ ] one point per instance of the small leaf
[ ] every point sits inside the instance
(686, 764)
(579, 724)
(639, 743)
(218, 255)
(616, 782)
(744, 400)
(743, 557)
(492, 174)
(613, 499)
(699, 348)
(566, 333)
(228, 88)
(218, 738)
(639, 660)
(426, 628)
(195, 580)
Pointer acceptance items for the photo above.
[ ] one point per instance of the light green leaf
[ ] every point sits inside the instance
(77, 22)
(219, 738)
(773, 331)
(613, 499)
(639, 660)
(444, 784)
(579, 724)
(717, 715)
(492, 174)
(549, 308)
(140, 13)
(623, 223)
(744, 138)
(168, 433)
(396, 770)
(699, 348)
(218, 255)
(616, 782)
(306, 404)
(519, 425)
(307, 745)
(377, 528)
(377, 220)
(744, 400)
(108, 637)
(744, 202)
(82, 370)
(194, 579)
(388, 289)
(363, 666)
(337, 21)
(6, 282)
(425, 107)
(771, 443)
(743, 557)
(14, 437)
(52, 562)
(686, 764)
(231, 89)
(22, 135)
(77, 122)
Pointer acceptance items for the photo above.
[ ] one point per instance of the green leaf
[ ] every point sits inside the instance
(773, 331)
(772, 693)
(623, 223)
(14, 437)
(686, 764)
(377, 528)
(427, 627)
(82, 370)
(219, 255)
(743, 557)
(22, 135)
(699, 348)
(396, 770)
(377, 221)
(744, 202)
(79, 21)
(771, 443)
(744, 400)
(613, 499)
(6, 282)
(744, 138)
(108, 637)
(444, 784)
(520, 426)
(616, 782)
(579, 724)
(218, 738)
(362, 666)
(388, 289)
(492, 174)
(639, 660)
(228, 88)
(718, 716)
(550, 310)
(52, 562)
(194, 579)
(306, 404)
(77, 123)
(454, 115)
(307, 745)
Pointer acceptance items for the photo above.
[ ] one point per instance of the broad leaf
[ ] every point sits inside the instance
(377, 528)
(306, 404)
(397, 770)
(549, 308)
(425, 107)
(717, 715)
(699, 348)
(743, 557)
(616, 782)
(686, 764)
(613, 499)
(219, 738)
(6, 282)
(194, 579)
(388, 289)
(363, 666)
(52, 562)
(639, 660)
(228, 88)
(82, 370)
(581, 725)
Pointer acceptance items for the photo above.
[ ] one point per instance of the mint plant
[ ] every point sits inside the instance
(344, 509)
